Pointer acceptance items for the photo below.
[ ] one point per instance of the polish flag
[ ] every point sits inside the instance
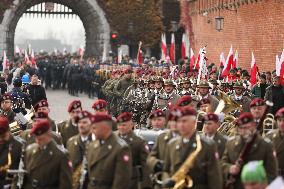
(185, 46)
(235, 61)
(228, 63)
(33, 60)
(17, 50)
(192, 59)
(253, 71)
(222, 59)
(5, 63)
(281, 63)
(197, 63)
(172, 50)
(139, 58)
(163, 47)
(26, 57)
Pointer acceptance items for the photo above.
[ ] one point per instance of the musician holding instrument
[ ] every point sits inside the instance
(10, 150)
(202, 169)
(247, 145)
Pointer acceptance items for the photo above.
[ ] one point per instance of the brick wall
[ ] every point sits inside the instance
(256, 26)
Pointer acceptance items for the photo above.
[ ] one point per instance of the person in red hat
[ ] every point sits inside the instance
(139, 150)
(185, 100)
(277, 137)
(6, 107)
(47, 164)
(9, 146)
(157, 119)
(257, 109)
(257, 148)
(100, 105)
(110, 153)
(210, 129)
(69, 128)
(206, 162)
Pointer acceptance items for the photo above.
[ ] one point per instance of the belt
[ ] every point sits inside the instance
(36, 184)
(101, 183)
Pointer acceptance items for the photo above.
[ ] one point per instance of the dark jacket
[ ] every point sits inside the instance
(37, 93)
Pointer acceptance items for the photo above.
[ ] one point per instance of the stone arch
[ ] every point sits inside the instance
(91, 14)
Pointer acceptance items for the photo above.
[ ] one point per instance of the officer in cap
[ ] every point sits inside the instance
(203, 90)
(6, 107)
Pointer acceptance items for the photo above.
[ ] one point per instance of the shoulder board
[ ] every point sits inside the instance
(32, 146)
(62, 149)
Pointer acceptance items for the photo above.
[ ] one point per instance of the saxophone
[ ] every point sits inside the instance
(80, 174)
(181, 179)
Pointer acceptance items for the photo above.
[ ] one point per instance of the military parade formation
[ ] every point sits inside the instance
(154, 125)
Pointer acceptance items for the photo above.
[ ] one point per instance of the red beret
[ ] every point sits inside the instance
(99, 104)
(40, 127)
(82, 115)
(100, 116)
(257, 102)
(187, 111)
(279, 113)
(42, 103)
(211, 117)
(124, 117)
(203, 101)
(157, 113)
(245, 118)
(4, 125)
(6, 96)
(74, 105)
(184, 100)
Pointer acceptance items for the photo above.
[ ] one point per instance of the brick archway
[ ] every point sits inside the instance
(91, 14)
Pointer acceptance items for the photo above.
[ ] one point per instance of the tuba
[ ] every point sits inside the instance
(181, 179)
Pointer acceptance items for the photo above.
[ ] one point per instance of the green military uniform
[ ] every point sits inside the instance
(139, 151)
(30, 139)
(109, 164)
(277, 139)
(220, 141)
(261, 150)
(67, 129)
(51, 122)
(14, 145)
(47, 168)
(164, 100)
(205, 173)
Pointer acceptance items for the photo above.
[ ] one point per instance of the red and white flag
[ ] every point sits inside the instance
(222, 60)
(185, 46)
(163, 47)
(5, 63)
(281, 63)
(17, 50)
(192, 59)
(228, 63)
(235, 60)
(33, 60)
(173, 49)
(253, 71)
(277, 65)
(139, 58)
(197, 63)
(27, 60)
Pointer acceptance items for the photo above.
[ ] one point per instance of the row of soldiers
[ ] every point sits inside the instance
(94, 150)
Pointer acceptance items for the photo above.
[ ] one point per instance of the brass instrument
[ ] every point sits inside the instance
(268, 124)
(181, 179)
(15, 126)
(5, 168)
(79, 175)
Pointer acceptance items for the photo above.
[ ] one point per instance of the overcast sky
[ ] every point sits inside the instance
(68, 31)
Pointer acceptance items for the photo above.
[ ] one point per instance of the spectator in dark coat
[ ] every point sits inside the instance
(36, 91)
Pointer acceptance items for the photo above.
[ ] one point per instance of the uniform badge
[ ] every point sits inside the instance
(194, 145)
(219, 141)
(75, 143)
(126, 158)
(109, 147)
(70, 164)
(166, 137)
(216, 155)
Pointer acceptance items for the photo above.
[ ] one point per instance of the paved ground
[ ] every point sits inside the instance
(58, 101)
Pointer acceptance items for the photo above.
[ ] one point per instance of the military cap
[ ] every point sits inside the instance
(82, 115)
(211, 117)
(99, 104)
(158, 79)
(185, 80)
(74, 105)
(254, 172)
(6, 96)
(157, 113)
(184, 100)
(40, 127)
(257, 102)
(203, 84)
(238, 84)
(41, 103)
(244, 118)
(100, 116)
(124, 117)
(203, 101)
(186, 111)
(168, 82)
(279, 113)
(4, 125)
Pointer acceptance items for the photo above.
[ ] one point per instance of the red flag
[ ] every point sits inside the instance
(235, 61)
(228, 64)
(33, 58)
(163, 47)
(183, 46)
(253, 71)
(197, 63)
(27, 60)
(139, 58)
(192, 59)
(5, 63)
(281, 63)
(172, 50)
(222, 60)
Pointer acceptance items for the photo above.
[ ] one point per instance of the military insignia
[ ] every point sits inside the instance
(75, 143)
(70, 164)
(126, 158)
(50, 153)
(166, 137)
(96, 145)
(236, 143)
(177, 147)
(275, 135)
(109, 147)
(34, 151)
(216, 155)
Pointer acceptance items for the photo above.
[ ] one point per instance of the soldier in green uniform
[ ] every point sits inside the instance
(139, 151)
(203, 90)
(9, 146)
(76, 145)
(256, 148)
(257, 109)
(47, 164)
(211, 124)
(157, 120)
(204, 168)
(69, 128)
(238, 96)
(6, 107)
(109, 157)
(277, 138)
